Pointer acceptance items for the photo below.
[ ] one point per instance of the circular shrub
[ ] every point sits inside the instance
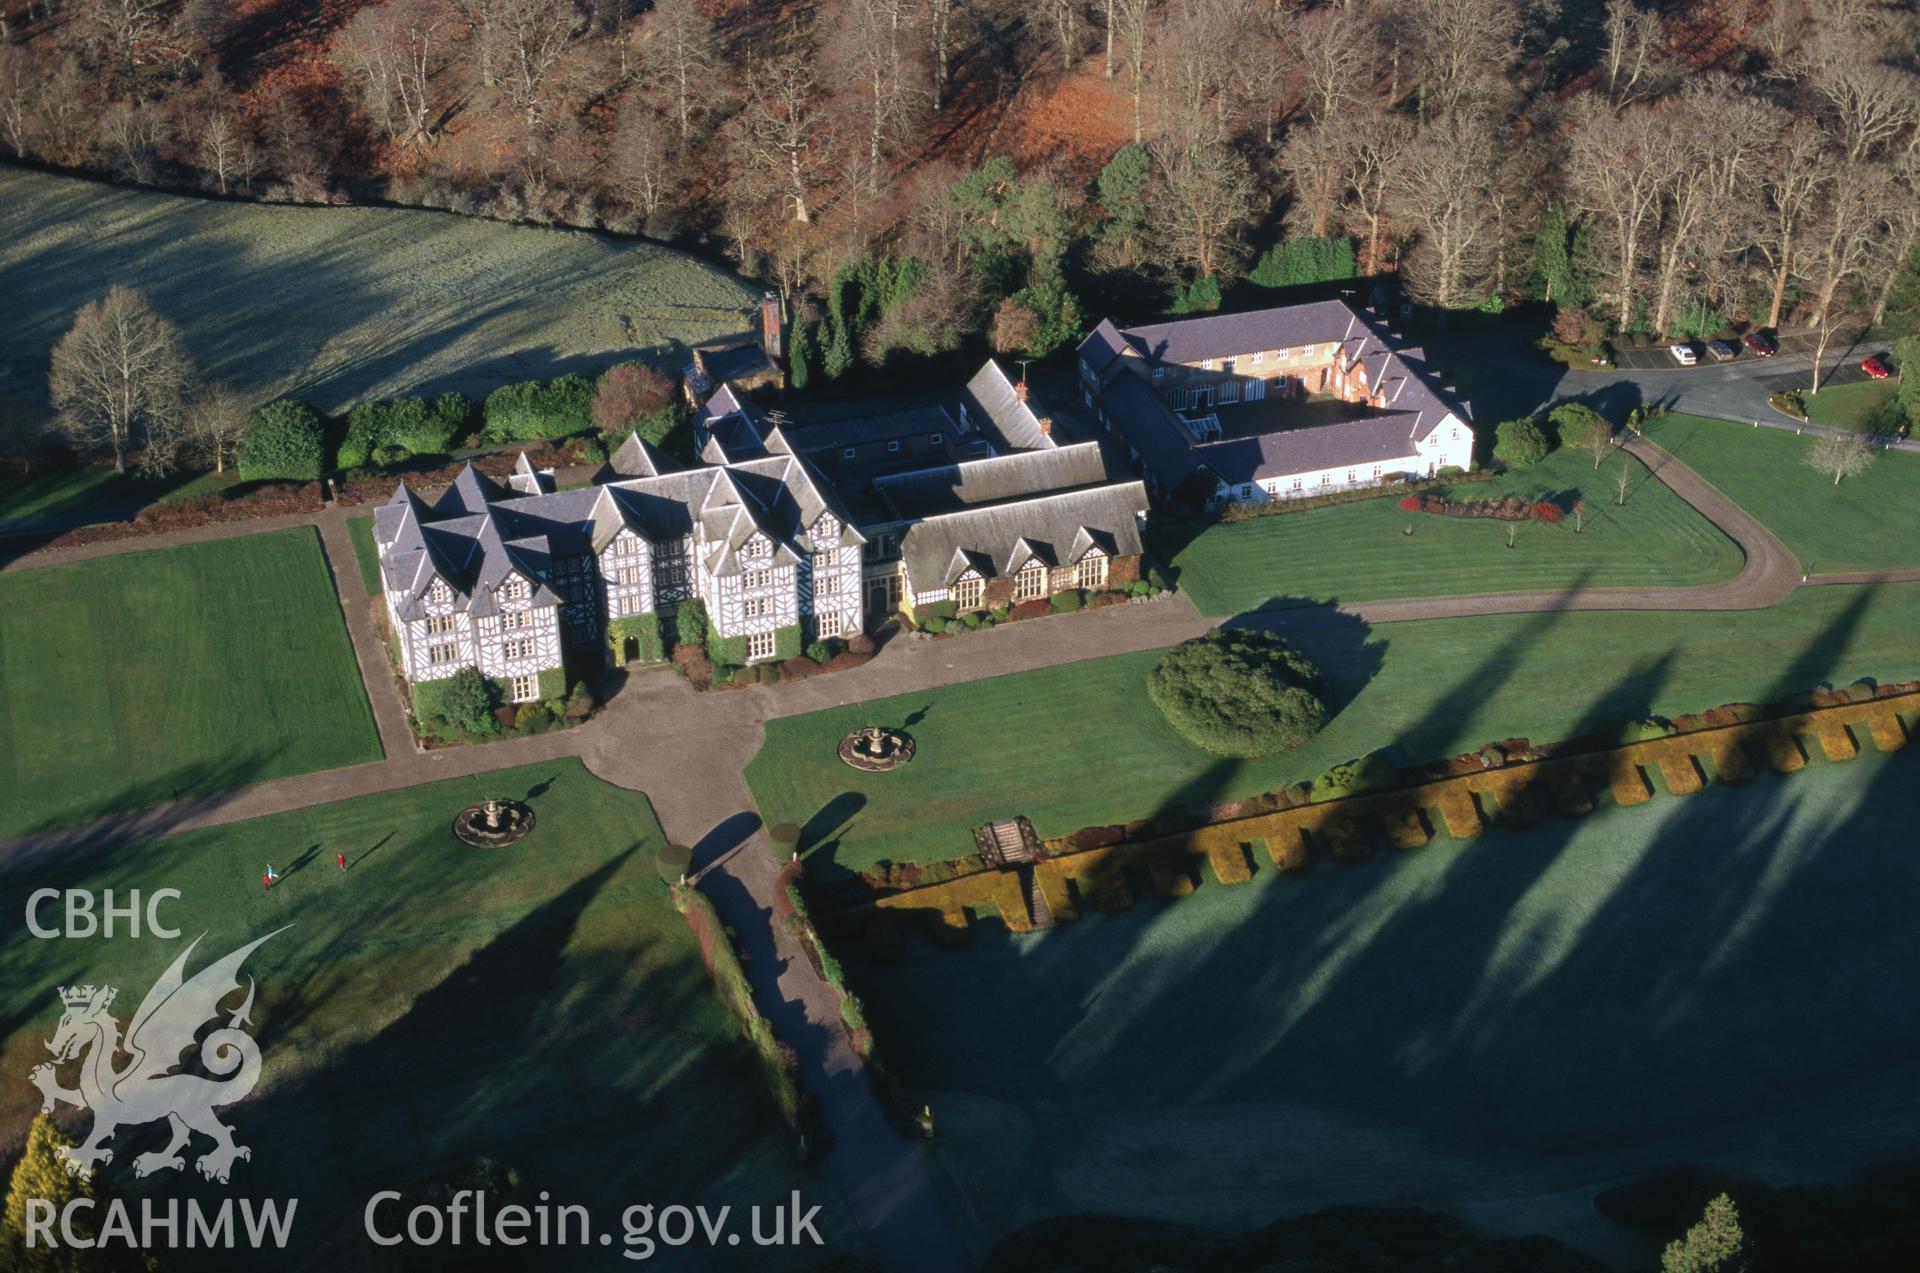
(1519, 443)
(1238, 693)
(287, 441)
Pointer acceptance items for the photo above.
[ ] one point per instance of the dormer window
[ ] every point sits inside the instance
(439, 594)
(1030, 584)
(514, 590)
(969, 592)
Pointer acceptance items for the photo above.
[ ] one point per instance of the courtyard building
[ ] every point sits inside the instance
(1275, 404)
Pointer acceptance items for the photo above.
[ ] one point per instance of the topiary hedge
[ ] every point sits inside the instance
(288, 440)
(531, 410)
(395, 430)
(1238, 693)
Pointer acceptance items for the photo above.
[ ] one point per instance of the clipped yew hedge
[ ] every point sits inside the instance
(1238, 693)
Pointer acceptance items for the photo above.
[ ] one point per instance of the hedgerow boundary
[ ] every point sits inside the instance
(1354, 828)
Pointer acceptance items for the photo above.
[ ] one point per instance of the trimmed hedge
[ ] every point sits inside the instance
(399, 428)
(645, 628)
(533, 409)
(288, 441)
(1236, 693)
(1357, 777)
(777, 1061)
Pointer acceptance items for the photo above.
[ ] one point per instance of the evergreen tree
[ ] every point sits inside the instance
(1304, 259)
(41, 1174)
(1120, 242)
(1552, 257)
(800, 357)
(838, 359)
(1714, 1245)
(1903, 302)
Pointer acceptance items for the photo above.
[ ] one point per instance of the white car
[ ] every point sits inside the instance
(1683, 354)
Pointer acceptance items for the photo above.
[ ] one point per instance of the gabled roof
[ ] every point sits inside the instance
(975, 483)
(638, 458)
(1010, 416)
(1192, 340)
(1379, 440)
(1102, 345)
(886, 427)
(998, 540)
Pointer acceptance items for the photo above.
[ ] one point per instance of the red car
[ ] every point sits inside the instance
(1762, 345)
(1876, 367)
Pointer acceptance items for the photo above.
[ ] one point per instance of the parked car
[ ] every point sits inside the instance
(1762, 345)
(1720, 350)
(1876, 367)
(1683, 354)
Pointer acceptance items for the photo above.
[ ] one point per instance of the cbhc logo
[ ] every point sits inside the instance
(85, 918)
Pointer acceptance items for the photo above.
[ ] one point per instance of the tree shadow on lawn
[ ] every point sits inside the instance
(150, 808)
(1520, 1020)
(530, 1053)
(821, 835)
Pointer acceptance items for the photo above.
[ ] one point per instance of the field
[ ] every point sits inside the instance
(1362, 551)
(1497, 1028)
(1863, 405)
(1021, 744)
(335, 305)
(366, 557)
(1828, 528)
(542, 1006)
(152, 676)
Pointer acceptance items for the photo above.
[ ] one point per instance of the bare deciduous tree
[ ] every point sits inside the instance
(643, 169)
(1616, 173)
(1134, 19)
(394, 51)
(119, 31)
(779, 128)
(119, 375)
(1839, 455)
(215, 424)
(677, 60)
(1463, 52)
(1201, 206)
(131, 134)
(1314, 160)
(1793, 176)
(1634, 56)
(1337, 49)
(1849, 225)
(18, 79)
(1871, 102)
(534, 37)
(1443, 190)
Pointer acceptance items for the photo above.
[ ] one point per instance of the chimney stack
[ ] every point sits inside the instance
(771, 332)
(1020, 391)
(1046, 425)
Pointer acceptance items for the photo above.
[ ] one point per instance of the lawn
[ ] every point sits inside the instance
(151, 676)
(336, 305)
(1497, 1028)
(1854, 526)
(1081, 745)
(365, 554)
(541, 1006)
(1865, 406)
(1362, 551)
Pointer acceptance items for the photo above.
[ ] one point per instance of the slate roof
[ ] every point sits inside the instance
(1149, 426)
(994, 404)
(864, 430)
(997, 540)
(1355, 442)
(996, 480)
(1415, 402)
(1192, 340)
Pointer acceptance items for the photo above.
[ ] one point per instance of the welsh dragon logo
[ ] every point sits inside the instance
(146, 1089)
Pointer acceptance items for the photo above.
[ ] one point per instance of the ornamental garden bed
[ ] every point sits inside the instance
(1511, 509)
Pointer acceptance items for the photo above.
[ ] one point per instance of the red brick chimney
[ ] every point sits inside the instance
(1046, 425)
(771, 333)
(1020, 391)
